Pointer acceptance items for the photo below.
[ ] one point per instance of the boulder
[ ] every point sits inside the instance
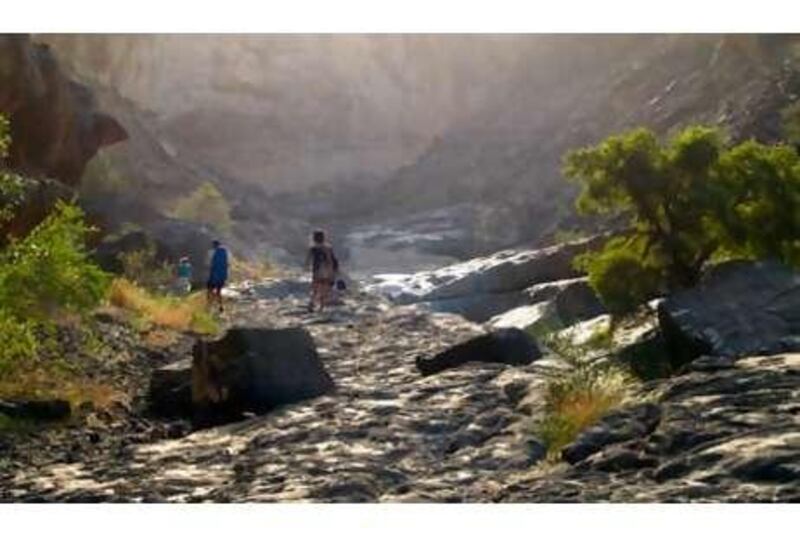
(249, 369)
(535, 318)
(552, 305)
(738, 309)
(510, 346)
(503, 272)
(170, 393)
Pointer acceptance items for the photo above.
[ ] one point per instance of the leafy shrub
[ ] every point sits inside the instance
(49, 271)
(762, 215)
(206, 205)
(620, 276)
(17, 339)
(687, 202)
(142, 267)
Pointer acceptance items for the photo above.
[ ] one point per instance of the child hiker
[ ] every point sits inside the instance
(324, 267)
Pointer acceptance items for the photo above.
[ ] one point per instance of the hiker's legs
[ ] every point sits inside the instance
(324, 291)
(313, 296)
(219, 297)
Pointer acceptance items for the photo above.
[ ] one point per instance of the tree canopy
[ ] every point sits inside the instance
(689, 200)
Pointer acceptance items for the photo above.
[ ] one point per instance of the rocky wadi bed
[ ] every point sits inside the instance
(722, 428)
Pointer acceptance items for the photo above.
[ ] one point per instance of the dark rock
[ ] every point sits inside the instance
(646, 354)
(620, 426)
(170, 392)
(44, 410)
(739, 309)
(55, 124)
(574, 299)
(510, 346)
(249, 369)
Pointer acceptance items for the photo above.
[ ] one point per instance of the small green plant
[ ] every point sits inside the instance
(206, 205)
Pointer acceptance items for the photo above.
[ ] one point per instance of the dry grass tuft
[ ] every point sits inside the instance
(580, 395)
(51, 382)
(180, 314)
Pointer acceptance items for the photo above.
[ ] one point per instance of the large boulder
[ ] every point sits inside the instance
(739, 308)
(249, 369)
(552, 305)
(55, 124)
(510, 346)
(506, 271)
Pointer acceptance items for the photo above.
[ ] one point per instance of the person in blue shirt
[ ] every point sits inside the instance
(218, 273)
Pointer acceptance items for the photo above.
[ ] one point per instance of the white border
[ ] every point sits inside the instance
(400, 518)
(399, 16)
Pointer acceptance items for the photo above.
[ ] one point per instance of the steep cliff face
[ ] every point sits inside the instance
(55, 125)
(510, 153)
(351, 129)
(289, 111)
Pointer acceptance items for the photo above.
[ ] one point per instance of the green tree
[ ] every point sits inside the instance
(665, 192)
(761, 213)
(687, 201)
(206, 205)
